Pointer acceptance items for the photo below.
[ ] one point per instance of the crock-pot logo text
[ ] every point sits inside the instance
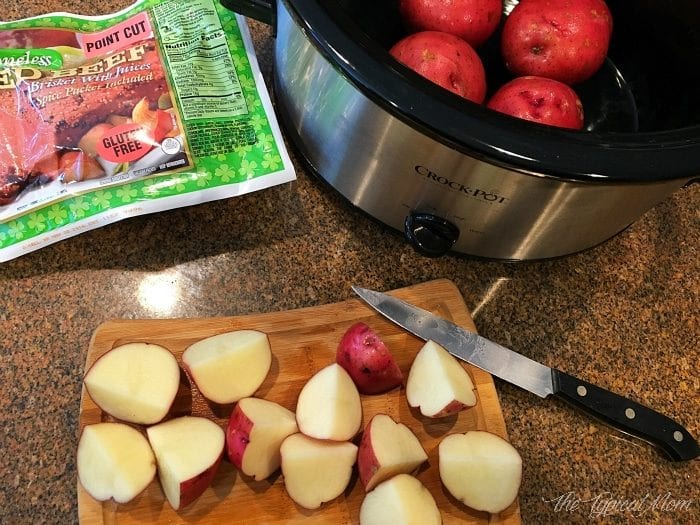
(453, 185)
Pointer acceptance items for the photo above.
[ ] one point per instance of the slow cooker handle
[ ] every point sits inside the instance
(262, 10)
(429, 234)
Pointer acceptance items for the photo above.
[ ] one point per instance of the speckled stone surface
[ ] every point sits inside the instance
(623, 315)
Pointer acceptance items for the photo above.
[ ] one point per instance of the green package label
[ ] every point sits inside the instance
(31, 58)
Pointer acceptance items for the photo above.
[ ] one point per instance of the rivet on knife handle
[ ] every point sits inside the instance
(627, 416)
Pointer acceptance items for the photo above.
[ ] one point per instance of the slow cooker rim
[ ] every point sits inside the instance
(506, 141)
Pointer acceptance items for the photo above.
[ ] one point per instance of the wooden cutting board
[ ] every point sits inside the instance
(303, 341)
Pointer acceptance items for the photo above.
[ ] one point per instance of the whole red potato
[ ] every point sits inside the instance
(566, 40)
(540, 100)
(446, 60)
(471, 20)
(364, 356)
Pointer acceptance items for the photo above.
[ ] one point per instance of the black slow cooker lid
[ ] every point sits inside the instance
(643, 156)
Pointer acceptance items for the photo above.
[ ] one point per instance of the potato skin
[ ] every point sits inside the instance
(193, 488)
(367, 360)
(471, 20)
(238, 432)
(566, 40)
(541, 100)
(367, 461)
(445, 60)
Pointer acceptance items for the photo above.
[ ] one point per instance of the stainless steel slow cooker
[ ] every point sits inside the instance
(454, 175)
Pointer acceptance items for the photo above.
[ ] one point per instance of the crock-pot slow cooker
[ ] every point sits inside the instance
(454, 175)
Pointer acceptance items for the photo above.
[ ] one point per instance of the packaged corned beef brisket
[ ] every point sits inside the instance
(158, 106)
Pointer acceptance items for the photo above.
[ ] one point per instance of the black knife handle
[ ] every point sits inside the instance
(627, 416)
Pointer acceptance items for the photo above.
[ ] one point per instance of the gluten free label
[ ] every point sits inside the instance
(125, 143)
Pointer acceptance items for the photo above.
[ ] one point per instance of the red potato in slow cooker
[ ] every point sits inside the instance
(541, 100)
(566, 40)
(445, 60)
(471, 20)
(363, 354)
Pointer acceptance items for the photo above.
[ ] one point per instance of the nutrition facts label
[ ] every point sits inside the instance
(194, 44)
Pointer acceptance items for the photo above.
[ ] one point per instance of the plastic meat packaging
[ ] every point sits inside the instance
(158, 106)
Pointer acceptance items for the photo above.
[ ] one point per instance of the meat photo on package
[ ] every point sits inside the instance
(78, 109)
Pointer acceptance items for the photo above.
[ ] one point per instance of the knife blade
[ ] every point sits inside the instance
(612, 409)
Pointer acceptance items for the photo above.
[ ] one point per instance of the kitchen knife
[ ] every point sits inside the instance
(613, 409)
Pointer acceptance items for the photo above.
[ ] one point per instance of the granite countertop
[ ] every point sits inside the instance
(623, 315)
